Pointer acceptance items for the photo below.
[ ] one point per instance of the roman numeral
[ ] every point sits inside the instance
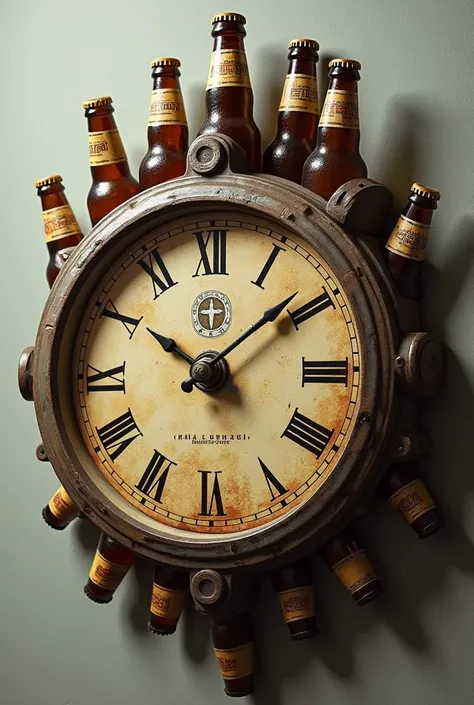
(311, 308)
(268, 265)
(160, 279)
(117, 435)
(112, 380)
(216, 498)
(213, 249)
(307, 433)
(274, 485)
(154, 478)
(325, 372)
(130, 323)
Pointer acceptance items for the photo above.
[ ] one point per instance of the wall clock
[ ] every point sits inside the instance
(224, 371)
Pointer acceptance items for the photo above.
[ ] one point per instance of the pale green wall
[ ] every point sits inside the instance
(416, 645)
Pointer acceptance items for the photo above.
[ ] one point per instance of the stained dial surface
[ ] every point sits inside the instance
(248, 454)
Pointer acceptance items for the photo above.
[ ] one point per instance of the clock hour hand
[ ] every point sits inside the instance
(170, 346)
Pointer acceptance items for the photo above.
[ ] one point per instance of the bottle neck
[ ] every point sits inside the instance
(299, 100)
(60, 225)
(52, 196)
(167, 123)
(107, 158)
(339, 122)
(229, 40)
(420, 209)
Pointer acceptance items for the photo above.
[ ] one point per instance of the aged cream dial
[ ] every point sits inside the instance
(248, 454)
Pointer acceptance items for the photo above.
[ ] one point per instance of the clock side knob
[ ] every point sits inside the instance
(25, 373)
(208, 587)
(210, 155)
(420, 362)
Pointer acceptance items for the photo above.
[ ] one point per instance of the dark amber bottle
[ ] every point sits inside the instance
(60, 225)
(167, 127)
(297, 115)
(406, 246)
(229, 96)
(295, 593)
(233, 646)
(406, 492)
(350, 564)
(111, 564)
(60, 510)
(170, 592)
(336, 157)
(112, 182)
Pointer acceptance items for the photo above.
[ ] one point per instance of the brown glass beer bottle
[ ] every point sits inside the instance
(60, 225)
(406, 246)
(112, 182)
(111, 564)
(297, 115)
(233, 646)
(336, 157)
(229, 96)
(170, 592)
(295, 593)
(167, 127)
(406, 492)
(60, 510)
(350, 564)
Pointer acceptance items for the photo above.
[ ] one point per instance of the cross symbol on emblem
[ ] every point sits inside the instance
(211, 312)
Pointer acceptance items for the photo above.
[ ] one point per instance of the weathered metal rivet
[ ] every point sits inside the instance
(208, 587)
(400, 361)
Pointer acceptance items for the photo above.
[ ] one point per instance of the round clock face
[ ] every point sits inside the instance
(244, 456)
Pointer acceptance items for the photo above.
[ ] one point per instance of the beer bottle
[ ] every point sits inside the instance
(60, 510)
(233, 645)
(406, 492)
(111, 564)
(167, 127)
(350, 564)
(170, 592)
(336, 157)
(60, 225)
(406, 246)
(112, 183)
(295, 593)
(297, 115)
(229, 96)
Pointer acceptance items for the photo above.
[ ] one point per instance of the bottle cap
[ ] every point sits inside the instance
(345, 63)
(48, 180)
(426, 192)
(228, 17)
(165, 61)
(303, 42)
(95, 102)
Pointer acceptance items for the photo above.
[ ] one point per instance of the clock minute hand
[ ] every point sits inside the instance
(271, 314)
(170, 346)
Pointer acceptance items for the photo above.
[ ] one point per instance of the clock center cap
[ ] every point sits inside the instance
(209, 377)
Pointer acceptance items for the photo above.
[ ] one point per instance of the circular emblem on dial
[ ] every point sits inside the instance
(211, 314)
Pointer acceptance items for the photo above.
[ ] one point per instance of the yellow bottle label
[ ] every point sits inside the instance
(297, 604)
(228, 68)
(105, 148)
(340, 109)
(355, 571)
(236, 663)
(412, 501)
(62, 506)
(300, 94)
(167, 603)
(60, 222)
(167, 107)
(409, 239)
(106, 574)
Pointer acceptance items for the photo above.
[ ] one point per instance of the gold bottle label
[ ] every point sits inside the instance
(62, 506)
(297, 603)
(340, 109)
(409, 239)
(167, 603)
(105, 148)
(300, 94)
(106, 574)
(412, 501)
(236, 663)
(167, 107)
(60, 222)
(355, 571)
(228, 68)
